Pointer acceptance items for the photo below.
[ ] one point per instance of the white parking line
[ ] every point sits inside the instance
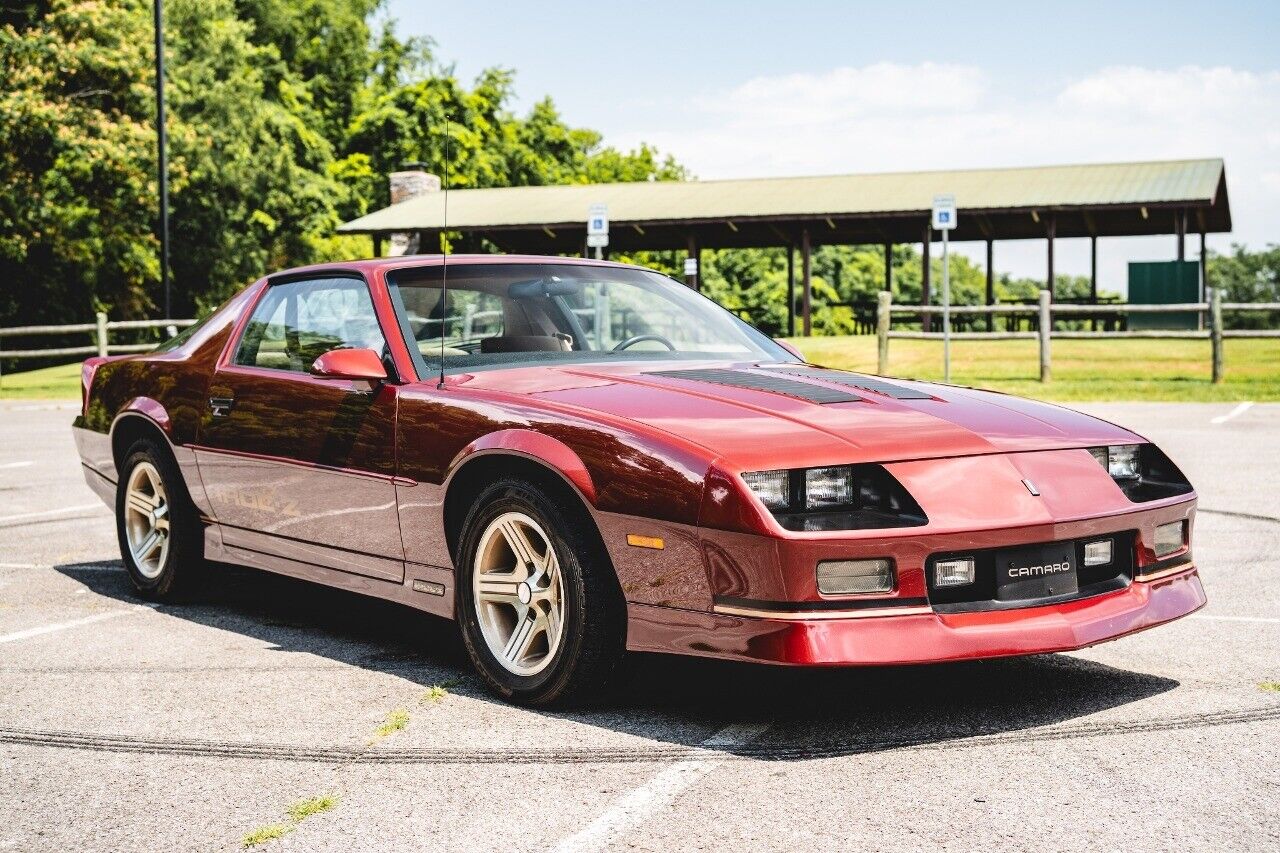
(24, 464)
(1238, 410)
(658, 792)
(71, 623)
(1269, 620)
(51, 513)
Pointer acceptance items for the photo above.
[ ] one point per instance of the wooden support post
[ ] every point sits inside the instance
(888, 267)
(377, 245)
(791, 290)
(1046, 327)
(1180, 227)
(104, 345)
(806, 262)
(1215, 333)
(926, 320)
(991, 283)
(694, 253)
(1051, 228)
(1093, 274)
(883, 308)
(1204, 278)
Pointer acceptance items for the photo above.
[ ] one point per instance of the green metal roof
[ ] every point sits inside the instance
(1175, 183)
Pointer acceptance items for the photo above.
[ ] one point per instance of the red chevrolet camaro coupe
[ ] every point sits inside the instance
(573, 458)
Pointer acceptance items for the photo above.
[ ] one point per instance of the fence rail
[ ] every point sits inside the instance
(1046, 311)
(101, 330)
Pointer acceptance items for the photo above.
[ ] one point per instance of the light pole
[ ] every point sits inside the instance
(163, 159)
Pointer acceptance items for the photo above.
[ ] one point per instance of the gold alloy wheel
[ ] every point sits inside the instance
(146, 520)
(518, 593)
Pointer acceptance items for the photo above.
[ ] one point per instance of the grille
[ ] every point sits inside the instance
(981, 594)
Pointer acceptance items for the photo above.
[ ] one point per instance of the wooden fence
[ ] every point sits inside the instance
(100, 330)
(1049, 310)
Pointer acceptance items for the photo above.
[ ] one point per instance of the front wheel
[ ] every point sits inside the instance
(161, 539)
(541, 615)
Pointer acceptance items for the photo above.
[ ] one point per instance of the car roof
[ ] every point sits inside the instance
(369, 265)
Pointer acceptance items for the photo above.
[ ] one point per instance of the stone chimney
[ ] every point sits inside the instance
(410, 183)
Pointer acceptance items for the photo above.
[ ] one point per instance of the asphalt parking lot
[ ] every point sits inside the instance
(127, 727)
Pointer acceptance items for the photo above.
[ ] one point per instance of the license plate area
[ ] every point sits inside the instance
(1036, 571)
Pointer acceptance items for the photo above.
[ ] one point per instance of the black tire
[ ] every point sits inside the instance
(183, 566)
(594, 626)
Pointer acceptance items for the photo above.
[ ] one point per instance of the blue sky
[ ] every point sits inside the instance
(753, 89)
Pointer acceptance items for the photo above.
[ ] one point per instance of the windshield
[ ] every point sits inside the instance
(499, 315)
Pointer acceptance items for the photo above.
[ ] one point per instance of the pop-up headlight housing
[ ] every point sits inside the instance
(843, 497)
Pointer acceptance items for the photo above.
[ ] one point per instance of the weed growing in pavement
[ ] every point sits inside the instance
(298, 812)
(267, 833)
(395, 721)
(304, 809)
(435, 693)
(1271, 686)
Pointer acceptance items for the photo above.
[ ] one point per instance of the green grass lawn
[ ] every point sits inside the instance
(48, 383)
(1082, 370)
(1134, 369)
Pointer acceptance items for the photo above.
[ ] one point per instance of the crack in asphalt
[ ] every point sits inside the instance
(1246, 515)
(58, 739)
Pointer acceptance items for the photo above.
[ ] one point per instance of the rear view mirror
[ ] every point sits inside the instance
(364, 364)
(543, 287)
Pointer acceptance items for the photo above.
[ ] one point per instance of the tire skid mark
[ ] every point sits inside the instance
(58, 739)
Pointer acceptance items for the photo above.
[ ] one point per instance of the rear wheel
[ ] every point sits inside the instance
(161, 538)
(540, 612)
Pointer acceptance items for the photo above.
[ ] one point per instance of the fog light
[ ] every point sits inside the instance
(1169, 538)
(850, 577)
(1097, 553)
(954, 572)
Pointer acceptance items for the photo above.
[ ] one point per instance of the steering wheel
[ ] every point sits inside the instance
(635, 339)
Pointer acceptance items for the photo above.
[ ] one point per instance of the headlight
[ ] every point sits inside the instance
(1120, 460)
(1141, 471)
(824, 487)
(844, 497)
(771, 487)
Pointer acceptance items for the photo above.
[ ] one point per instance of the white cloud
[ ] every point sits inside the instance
(886, 117)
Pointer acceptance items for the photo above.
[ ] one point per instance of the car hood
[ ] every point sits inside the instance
(754, 417)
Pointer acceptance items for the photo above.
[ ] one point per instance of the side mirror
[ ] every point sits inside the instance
(360, 364)
(791, 349)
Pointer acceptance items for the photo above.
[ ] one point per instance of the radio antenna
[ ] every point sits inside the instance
(444, 260)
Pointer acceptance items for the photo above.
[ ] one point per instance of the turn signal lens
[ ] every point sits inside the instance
(771, 487)
(1097, 553)
(826, 487)
(850, 577)
(954, 572)
(1169, 538)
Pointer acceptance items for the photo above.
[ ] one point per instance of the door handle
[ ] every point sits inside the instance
(221, 406)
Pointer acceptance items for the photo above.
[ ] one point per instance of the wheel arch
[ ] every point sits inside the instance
(527, 455)
(141, 417)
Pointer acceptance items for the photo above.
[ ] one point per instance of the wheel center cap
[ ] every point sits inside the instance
(525, 593)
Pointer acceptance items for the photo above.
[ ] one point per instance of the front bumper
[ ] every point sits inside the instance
(918, 635)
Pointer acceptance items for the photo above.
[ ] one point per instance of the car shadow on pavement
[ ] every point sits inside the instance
(675, 700)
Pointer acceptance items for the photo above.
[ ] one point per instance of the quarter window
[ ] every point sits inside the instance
(298, 321)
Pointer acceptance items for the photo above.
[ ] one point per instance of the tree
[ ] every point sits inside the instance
(1247, 276)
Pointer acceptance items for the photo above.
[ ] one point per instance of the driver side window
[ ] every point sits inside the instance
(298, 321)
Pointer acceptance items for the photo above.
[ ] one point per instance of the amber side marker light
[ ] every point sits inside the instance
(637, 541)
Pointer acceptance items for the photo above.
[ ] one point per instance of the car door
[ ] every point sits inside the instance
(295, 465)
